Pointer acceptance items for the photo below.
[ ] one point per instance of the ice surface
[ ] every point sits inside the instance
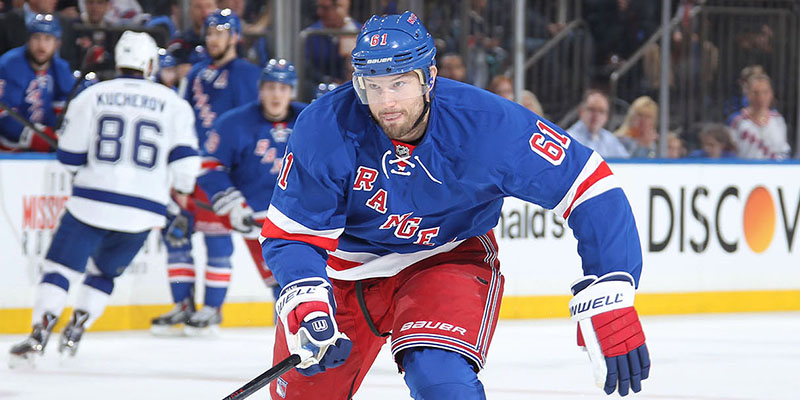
(702, 357)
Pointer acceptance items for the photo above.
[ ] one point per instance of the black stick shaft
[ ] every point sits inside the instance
(24, 121)
(72, 92)
(265, 378)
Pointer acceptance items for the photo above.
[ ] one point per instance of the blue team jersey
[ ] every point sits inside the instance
(245, 152)
(34, 95)
(213, 90)
(352, 203)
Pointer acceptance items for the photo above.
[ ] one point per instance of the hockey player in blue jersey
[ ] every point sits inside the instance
(244, 153)
(35, 82)
(212, 87)
(381, 225)
(126, 141)
(167, 70)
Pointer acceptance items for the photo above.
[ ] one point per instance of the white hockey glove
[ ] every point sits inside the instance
(240, 215)
(306, 309)
(223, 202)
(241, 219)
(610, 332)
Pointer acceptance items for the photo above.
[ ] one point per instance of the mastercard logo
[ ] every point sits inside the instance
(759, 219)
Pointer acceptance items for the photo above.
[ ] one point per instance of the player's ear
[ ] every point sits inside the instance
(434, 73)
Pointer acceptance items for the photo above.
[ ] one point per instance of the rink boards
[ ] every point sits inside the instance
(716, 237)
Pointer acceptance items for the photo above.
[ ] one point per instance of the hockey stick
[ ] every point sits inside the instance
(28, 124)
(265, 378)
(91, 59)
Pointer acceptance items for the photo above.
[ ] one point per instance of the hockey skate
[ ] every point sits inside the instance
(71, 336)
(24, 353)
(204, 322)
(171, 323)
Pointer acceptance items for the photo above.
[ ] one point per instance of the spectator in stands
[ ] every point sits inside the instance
(531, 102)
(619, 27)
(326, 57)
(739, 101)
(166, 14)
(715, 142)
(198, 11)
(187, 47)
(502, 86)
(68, 9)
(13, 31)
(686, 49)
(590, 129)
(759, 131)
(237, 6)
(125, 12)
(256, 32)
(484, 45)
(676, 147)
(94, 46)
(451, 66)
(638, 131)
(95, 12)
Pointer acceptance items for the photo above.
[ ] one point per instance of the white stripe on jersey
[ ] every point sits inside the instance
(374, 266)
(293, 227)
(570, 202)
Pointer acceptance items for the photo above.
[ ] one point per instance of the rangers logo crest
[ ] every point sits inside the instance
(280, 387)
(280, 132)
(222, 81)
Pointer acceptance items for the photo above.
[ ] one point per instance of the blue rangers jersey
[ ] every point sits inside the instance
(245, 152)
(34, 95)
(212, 90)
(352, 204)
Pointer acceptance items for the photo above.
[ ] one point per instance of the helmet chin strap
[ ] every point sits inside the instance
(425, 109)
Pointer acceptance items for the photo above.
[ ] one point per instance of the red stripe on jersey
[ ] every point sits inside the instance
(601, 172)
(211, 276)
(271, 230)
(340, 264)
(176, 272)
(211, 164)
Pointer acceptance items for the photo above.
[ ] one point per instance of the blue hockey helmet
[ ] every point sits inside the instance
(166, 59)
(45, 23)
(279, 71)
(324, 88)
(224, 19)
(393, 45)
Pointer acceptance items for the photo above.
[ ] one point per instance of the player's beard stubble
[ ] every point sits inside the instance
(222, 53)
(397, 119)
(39, 59)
